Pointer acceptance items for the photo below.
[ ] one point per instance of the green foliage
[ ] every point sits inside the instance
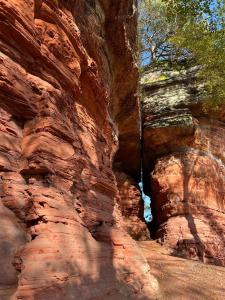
(155, 29)
(184, 10)
(173, 31)
(201, 31)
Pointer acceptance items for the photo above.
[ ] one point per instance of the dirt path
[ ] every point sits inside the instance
(182, 279)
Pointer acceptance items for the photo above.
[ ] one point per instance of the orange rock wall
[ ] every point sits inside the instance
(67, 72)
(185, 166)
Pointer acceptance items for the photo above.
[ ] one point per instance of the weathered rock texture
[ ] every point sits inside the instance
(184, 151)
(64, 64)
(131, 206)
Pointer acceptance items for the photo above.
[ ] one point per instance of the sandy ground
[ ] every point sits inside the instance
(182, 279)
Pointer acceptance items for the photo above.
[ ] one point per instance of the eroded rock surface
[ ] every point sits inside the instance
(184, 152)
(64, 65)
(131, 206)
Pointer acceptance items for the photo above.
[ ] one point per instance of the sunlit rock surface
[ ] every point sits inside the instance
(181, 278)
(68, 80)
(184, 165)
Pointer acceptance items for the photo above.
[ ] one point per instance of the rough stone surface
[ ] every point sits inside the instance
(183, 279)
(64, 65)
(185, 153)
(131, 206)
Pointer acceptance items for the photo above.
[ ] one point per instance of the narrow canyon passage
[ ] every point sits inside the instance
(72, 212)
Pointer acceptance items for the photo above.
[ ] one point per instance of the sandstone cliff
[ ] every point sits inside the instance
(184, 165)
(68, 79)
(70, 156)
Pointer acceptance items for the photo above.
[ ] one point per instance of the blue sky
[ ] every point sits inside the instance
(147, 201)
(145, 57)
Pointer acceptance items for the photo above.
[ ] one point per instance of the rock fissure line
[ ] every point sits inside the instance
(70, 157)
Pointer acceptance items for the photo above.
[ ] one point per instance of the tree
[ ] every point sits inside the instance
(174, 30)
(155, 29)
(201, 30)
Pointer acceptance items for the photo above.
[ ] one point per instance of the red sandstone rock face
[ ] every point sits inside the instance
(184, 151)
(132, 207)
(63, 236)
(189, 189)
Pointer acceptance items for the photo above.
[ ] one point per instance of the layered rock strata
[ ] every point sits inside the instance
(184, 165)
(64, 66)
